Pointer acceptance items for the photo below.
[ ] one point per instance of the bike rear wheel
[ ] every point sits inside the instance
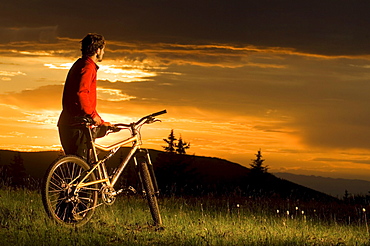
(63, 202)
(150, 192)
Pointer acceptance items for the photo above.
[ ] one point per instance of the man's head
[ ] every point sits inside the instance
(93, 44)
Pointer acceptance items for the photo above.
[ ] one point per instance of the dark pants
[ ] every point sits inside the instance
(75, 141)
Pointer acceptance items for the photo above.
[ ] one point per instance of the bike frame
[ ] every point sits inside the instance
(99, 165)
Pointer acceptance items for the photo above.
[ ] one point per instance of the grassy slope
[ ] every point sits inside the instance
(208, 221)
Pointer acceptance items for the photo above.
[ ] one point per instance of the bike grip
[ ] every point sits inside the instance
(114, 128)
(159, 113)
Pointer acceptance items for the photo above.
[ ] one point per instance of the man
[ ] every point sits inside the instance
(79, 97)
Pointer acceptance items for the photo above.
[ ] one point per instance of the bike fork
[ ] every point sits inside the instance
(152, 174)
(144, 153)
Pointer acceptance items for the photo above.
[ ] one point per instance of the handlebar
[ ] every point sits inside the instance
(150, 117)
(146, 119)
(159, 113)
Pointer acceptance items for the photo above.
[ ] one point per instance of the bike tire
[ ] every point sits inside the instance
(150, 192)
(60, 201)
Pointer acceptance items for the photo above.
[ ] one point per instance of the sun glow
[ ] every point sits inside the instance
(61, 66)
(115, 73)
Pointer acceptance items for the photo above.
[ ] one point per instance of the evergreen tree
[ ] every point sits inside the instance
(257, 164)
(170, 143)
(18, 171)
(175, 174)
(5, 177)
(182, 146)
(173, 168)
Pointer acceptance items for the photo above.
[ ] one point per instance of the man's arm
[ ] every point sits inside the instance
(87, 102)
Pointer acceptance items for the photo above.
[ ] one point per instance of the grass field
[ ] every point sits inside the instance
(202, 221)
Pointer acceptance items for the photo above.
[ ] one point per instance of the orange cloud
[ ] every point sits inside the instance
(45, 97)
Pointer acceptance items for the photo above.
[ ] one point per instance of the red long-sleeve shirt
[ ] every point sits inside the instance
(79, 95)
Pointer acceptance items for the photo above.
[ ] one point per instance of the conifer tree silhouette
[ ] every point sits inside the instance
(257, 164)
(182, 146)
(17, 171)
(170, 143)
(173, 167)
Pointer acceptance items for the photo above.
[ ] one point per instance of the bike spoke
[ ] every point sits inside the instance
(62, 200)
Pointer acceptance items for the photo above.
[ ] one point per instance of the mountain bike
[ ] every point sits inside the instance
(73, 188)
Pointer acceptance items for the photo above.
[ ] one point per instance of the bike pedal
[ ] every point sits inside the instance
(117, 192)
(132, 189)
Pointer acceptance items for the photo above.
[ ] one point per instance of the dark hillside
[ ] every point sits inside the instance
(218, 176)
(192, 175)
(216, 170)
(35, 163)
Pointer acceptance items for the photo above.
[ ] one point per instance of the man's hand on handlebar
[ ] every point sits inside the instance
(99, 122)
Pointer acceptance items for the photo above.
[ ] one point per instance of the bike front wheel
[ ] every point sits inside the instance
(150, 192)
(63, 202)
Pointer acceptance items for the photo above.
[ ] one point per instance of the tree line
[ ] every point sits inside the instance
(178, 173)
(14, 174)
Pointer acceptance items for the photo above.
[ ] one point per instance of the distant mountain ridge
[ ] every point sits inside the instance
(332, 186)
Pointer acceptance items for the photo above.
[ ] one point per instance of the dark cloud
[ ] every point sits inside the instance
(324, 27)
(47, 34)
(342, 124)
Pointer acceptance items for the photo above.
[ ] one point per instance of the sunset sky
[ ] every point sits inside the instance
(291, 78)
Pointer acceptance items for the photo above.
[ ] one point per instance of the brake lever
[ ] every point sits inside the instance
(152, 120)
(114, 128)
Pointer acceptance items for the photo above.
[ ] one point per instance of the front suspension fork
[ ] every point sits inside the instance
(144, 154)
